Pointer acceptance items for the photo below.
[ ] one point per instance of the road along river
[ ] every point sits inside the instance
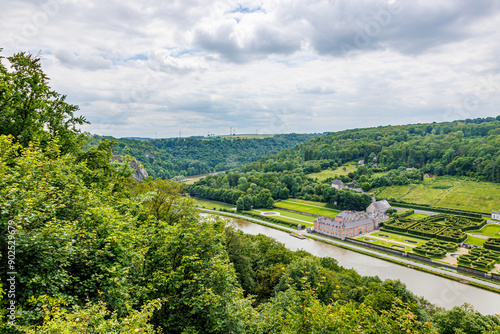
(438, 290)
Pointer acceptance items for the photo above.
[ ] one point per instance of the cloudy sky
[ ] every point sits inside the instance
(153, 68)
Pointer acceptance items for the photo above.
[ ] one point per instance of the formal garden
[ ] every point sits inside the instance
(439, 238)
(441, 226)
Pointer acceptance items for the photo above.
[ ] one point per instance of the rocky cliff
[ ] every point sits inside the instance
(139, 171)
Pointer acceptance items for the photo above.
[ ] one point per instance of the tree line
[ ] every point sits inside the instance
(461, 148)
(260, 190)
(167, 158)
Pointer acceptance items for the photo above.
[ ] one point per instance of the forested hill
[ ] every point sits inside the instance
(463, 148)
(166, 158)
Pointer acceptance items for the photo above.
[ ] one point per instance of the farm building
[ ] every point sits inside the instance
(339, 185)
(379, 207)
(495, 215)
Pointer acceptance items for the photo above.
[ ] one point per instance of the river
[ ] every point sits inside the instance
(439, 291)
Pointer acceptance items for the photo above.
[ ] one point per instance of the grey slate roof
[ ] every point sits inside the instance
(380, 206)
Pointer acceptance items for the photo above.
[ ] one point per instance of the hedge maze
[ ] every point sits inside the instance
(436, 248)
(493, 244)
(441, 226)
(480, 258)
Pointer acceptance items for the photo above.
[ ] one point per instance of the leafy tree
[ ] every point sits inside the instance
(464, 319)
(30, 110)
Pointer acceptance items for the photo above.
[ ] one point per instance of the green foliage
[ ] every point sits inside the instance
(481, 258)
(436, 248)
(99, 253)
(30, 110)
(440, 226)
(96, 318)
(167, 158)
(492, 243)
(464, 319)
(261, 188)
(439, 151)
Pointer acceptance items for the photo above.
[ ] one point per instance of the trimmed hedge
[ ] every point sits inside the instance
(403, 234)
(403, 214)
(492, 243)
(473, 214)
(400, 225)
(441, 226)
(480, 258)
(435, 248)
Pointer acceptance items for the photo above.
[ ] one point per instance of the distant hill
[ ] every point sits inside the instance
(166, 158)
(463, 148)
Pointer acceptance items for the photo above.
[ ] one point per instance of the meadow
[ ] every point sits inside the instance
(307, 206)
(447, 192)
(213, 205)
(290, 217)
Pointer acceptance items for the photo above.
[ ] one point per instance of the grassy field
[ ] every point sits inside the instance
(417, 216)
(400, 238)
(447, 192)
(307, 207)
(212, 205)
(303, 201)
(385, 243)
(491, 230)
(474, 241)
(288, 216)
(324, 174)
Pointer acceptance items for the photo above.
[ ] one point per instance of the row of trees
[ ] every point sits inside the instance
(260, 189)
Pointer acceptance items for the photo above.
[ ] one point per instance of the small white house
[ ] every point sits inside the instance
(379, 207)
(338, 184)
(495, 215)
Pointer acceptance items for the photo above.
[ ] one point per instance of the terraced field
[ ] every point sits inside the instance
(447, 192)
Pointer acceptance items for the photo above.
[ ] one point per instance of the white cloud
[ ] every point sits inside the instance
(140, 68)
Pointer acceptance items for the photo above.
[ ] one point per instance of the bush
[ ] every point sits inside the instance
(492, 243)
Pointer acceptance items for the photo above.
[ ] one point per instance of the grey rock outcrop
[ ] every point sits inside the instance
(140, 173)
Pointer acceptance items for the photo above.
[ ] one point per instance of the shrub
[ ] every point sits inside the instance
(492, 243)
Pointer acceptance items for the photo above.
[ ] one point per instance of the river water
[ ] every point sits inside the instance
(439, 291)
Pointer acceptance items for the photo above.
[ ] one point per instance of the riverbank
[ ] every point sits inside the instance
(413, 264)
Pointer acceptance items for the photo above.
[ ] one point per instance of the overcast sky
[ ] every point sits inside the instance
(154, 68)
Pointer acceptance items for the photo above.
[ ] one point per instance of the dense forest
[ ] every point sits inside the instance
(463, 148)
(85, 249)
(167, 158)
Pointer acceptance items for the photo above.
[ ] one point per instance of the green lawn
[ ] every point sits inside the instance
(309, 208)
(447, 192)
(417, 216)
(288, 216)
(303, 201)
(324, 174)
(385, 243)
(400, 238)
(475, 241)
(342, 170)
(212, 205)
(492, 230)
